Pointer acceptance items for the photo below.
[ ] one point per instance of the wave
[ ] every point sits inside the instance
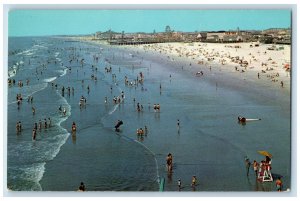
(37, 152)
(116, 106)
(64, 72)
(31, 89)
(27, 52)
(29, 175)
(113, 110)
(51, 79)
(40, 46)
(61, 139)
(12, 71)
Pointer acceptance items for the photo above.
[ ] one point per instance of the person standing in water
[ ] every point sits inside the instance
(179, 184)
(81, 187)
(247, 163)
(33, 134)
(194, 181)
(278, 184)
(169, 161)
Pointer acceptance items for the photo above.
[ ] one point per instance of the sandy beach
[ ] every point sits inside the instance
(248, 58)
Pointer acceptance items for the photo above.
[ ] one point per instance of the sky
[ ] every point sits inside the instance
(73, 22)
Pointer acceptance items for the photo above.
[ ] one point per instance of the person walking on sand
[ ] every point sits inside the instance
(33, 111)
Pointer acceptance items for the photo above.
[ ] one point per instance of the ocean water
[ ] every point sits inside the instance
(209, 143)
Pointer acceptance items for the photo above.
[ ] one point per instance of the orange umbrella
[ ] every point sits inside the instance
(265, 153)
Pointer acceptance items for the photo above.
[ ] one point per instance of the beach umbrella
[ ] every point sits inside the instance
(265, 153)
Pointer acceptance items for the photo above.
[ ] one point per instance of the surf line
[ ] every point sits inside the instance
(117, 105)
(149, 150)
(67, 135)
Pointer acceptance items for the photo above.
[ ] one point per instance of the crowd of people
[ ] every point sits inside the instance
(262, 171)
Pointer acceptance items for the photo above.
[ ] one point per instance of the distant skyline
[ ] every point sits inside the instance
(77, 22)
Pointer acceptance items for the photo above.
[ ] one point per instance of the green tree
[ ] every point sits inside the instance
(168, 29)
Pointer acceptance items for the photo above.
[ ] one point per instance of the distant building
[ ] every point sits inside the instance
(215, 37)
(232, 38)
(274, 35)
(189, 36)
(202, 36)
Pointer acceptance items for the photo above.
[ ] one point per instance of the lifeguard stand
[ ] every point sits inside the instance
(265, 174)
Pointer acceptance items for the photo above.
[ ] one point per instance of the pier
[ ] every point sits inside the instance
(133, 42)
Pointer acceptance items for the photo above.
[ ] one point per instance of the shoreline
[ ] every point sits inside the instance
(211, 58)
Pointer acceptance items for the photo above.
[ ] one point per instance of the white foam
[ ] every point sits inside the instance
(114, 109)
(61, 138)
(50, 79)
(12, 72)
(40, 46)
(33, 172)
(26, 52)
(152, 153)
(68, 109)
(157, 173)
(64, 72)
(43, 150)
(32, 89)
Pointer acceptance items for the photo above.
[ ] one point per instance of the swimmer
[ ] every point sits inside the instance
(73, 126)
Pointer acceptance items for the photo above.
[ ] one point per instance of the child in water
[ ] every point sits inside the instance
(194, 181)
